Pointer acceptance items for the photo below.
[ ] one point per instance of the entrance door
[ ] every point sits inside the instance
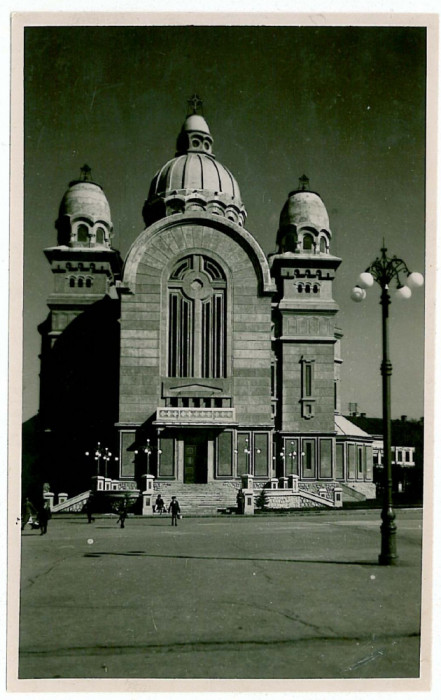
(190, 453)
(195, 461)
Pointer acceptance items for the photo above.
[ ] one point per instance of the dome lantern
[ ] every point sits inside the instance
(84, 219)
(304, 223)
(195, 135)
(194, 180)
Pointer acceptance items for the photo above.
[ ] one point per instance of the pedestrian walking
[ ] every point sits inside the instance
(44, 514)
(174, 509)
(28, 514)
(89, 510)
(122, 516)
(159, 505)
(240, 500)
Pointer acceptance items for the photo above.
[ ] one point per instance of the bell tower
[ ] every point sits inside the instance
(84, 265)
(304, 336)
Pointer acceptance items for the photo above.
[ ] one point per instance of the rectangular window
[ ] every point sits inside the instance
(261, 454)
(225, 454)
(307, 400)
(308, 459)
(166, 458)
(325, 459)
(308, 380)
(291, 448)
(360, 461)
(368, 462)
(339, 461)
(243, 458)
(273, 380)
(127, 456)
(351, 461)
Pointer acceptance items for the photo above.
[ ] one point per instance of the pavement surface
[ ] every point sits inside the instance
(293, 596)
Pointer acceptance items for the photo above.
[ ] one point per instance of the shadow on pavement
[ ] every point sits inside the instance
(219, 558)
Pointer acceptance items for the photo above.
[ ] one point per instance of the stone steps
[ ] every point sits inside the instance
(199, 498)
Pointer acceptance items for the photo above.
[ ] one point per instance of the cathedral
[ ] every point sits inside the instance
(198, 364)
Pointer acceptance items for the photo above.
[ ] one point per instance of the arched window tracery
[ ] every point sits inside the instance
(197, 313)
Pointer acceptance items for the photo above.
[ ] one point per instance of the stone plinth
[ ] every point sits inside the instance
(248, 507)
(148, 494)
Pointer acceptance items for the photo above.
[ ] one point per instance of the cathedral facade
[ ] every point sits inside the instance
(202, 359)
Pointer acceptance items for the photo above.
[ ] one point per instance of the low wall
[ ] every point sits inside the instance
(366, 488)
(277, 500)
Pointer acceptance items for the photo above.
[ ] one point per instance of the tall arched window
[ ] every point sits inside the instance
(197, 307)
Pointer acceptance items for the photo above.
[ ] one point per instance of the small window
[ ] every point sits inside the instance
(308, 379)
(82, 233)
(89, 282)
(80, 282)
(307, 241)
(100, 234)
(322, 245)
(307, 288)
(71, 281)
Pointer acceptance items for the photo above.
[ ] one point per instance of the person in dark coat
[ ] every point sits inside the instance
(122, 516)
(44, 514)
(89, 510)
(159, 504)
(28, 513)
(240, 499)
(174, 509)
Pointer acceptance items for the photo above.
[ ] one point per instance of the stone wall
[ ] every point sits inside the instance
(144, 319)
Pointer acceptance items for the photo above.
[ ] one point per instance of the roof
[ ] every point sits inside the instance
(344, 426)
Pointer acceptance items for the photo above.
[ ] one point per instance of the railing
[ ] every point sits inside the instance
(196, 415)
(104, 483)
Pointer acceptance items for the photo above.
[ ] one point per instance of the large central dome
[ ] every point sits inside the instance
(194, 180)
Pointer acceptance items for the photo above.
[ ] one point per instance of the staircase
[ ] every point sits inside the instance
(72, 505)
(199, 499)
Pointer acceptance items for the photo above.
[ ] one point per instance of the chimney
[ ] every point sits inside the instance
(403, 419)
(362, 415)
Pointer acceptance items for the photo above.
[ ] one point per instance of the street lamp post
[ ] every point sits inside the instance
(247, 452)
(292, 454)
(102, 453)
(148, 449)
(384, 270)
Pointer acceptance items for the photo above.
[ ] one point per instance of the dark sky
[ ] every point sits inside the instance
(345, 105)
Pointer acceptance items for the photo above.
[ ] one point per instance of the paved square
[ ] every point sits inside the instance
(294, 596)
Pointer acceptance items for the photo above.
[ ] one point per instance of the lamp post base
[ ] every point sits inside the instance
(388, 555)
(387, 559)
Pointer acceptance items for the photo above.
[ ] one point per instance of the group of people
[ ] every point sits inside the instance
(158, 507)
(40, 517)
(174, 508)
(37, 518)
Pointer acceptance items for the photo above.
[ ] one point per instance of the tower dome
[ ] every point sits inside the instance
(84, 219)
(194, 180)
(304, 222)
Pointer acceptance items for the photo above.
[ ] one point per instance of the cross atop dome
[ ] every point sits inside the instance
(195, 104)
(85, 173)
(304, 183)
